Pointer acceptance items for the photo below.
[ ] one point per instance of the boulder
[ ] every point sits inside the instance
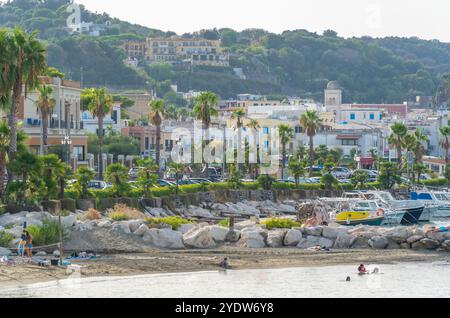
(104, 224)
(68, 221)
(121, 227)
(426, 243)
(399, 234)
(252, 239)
(141, 230)
(233, 236)
(5, 252)
(41, 253)
(392, 245)
(16, 231)
(135, 224)
(405, 246)
(344, 241)
(184, 228)
(414, 239)
(199, 237)
(378, 243)
(360, 243)
(292, 238)
(333, 232)
(313, 241)
(313, 231)
(446, 246)
(165, 238)
(275, 238)
(218, 233)
(245, 224)
(440, 237)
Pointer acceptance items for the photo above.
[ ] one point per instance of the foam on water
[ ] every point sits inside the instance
(398, 280)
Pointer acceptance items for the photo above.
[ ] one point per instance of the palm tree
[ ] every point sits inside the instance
(4, 148)
(25, 58)
(445, 142)
(156, 112)
(286, 135)
(53, 168)
(204, 109)
(172, 113)
(253, 124)
(177, 169)
(296, 169)
(310, 122)
(396, 139)
(238, 115)
(99, 103)
(45, 105)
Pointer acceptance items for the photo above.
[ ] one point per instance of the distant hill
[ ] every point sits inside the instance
(295, 62)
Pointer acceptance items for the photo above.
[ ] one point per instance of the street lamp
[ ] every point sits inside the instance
(66, 142)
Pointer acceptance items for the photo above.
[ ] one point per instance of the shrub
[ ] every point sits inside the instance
(91, 214)
(5, 238)
(224, 223)
(283, 186)
(280, 224)
(174, 221)
(163, 192)
(218, 186)
(121, 212)
(192, 188)
(251, 186)
(435, 182)
(46, 234)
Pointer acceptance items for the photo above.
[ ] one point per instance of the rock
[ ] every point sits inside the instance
(233, 236)
(414, 239)
(16, 231)
(399, 234)
(135, 224)
(165, 238)
(218, 233)
(199, 237)
(393, 245)
(378, 243)
(360, 243)
(56, 253)
(446, 246)
(333, 232)
(41, 253)
(440, 237)
(405, 246)
(84, 226)
(245, 224)
(121, 228)
(5, 252)
(199, 212)
(184, 228)
(292, 238)
(252, 239)
(141, 230)
(275, 238)
(344, 241)
(68, 221)
(312, 241)
(426, 243)
(313, 231)
(368, 234)
(104, 224)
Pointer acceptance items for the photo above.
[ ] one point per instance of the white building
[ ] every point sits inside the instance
(112, 120)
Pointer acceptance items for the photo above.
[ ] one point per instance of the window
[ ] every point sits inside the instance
(352, 116)
(349, 142)
(78, 151)
(266, 130)
(298, 130)
(372, 116)
(381, 116)
(266, 144)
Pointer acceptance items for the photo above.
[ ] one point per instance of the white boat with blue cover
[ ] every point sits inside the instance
(438, 199)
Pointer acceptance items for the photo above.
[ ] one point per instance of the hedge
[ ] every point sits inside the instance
(435, 182)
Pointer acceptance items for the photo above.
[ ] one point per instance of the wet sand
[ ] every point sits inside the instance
(158, 261)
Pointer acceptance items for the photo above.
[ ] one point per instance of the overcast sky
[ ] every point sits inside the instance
(428, 19)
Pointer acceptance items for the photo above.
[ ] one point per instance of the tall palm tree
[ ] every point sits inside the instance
(419, 149)
(310, 122)
(4, 149)
(253, 124)
(204, 110)
(26, 61)
(286, 135)
(99, 102)
(45, 105)
(445, 142)
(156, 112)
(239, 115)
(396, 140)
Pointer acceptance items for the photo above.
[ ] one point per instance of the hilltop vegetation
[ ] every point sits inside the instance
(295, 62)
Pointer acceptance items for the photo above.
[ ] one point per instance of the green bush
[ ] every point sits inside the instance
(435, 182)
(162, 192)
(46, 234)
(280, 224)
(174, 221)
(218, 186)
(251, 186)
(5, 238)
(192, 188)
(224, 223)
(71, 194)
(116, 216)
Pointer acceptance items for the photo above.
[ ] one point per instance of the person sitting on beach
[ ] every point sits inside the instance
(362, 269)
(224, 264)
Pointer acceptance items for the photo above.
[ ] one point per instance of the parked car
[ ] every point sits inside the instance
(342, 173)
(200, 180)
(133, 173)
(98, 185)
(315, 180)
(165, 183)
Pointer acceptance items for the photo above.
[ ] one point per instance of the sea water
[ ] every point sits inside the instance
(395, 280)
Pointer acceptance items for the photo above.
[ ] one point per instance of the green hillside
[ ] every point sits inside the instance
(293, 63)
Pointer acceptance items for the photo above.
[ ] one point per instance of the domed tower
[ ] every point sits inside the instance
(333, 94)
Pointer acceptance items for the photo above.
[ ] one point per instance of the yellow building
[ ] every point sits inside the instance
(135, 49)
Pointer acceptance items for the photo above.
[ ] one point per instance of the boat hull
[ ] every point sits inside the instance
(372, 222)
(412, 216)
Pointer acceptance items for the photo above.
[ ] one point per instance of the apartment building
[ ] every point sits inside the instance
(65, 119)
(136, 49)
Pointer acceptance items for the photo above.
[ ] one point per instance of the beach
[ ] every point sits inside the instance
(163, 261)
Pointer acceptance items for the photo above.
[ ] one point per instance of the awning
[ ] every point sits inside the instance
(348, 137)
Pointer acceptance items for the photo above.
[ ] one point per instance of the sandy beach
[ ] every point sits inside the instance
(161, 261)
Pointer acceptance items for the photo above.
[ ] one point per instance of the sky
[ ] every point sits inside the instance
(427, 19)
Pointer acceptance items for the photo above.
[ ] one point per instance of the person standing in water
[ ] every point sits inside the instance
(362, 269)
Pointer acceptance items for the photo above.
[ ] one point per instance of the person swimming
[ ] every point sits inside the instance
(362, 269)
(348, 279)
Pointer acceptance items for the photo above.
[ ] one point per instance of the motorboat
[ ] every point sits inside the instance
(438, 199)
